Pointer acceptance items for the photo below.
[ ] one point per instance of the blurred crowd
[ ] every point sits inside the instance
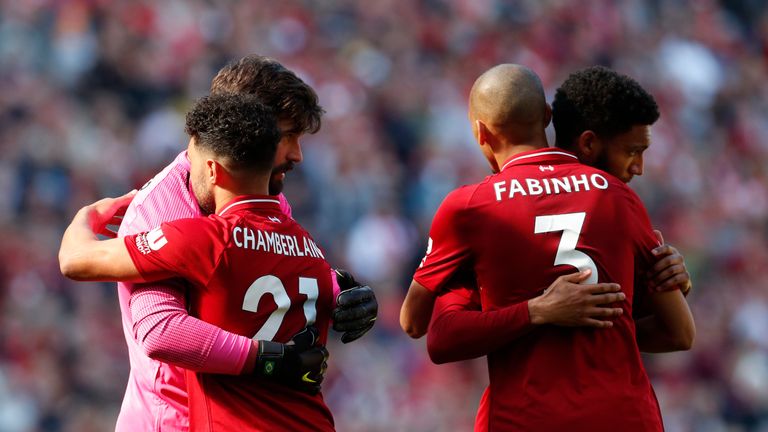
(92, 101)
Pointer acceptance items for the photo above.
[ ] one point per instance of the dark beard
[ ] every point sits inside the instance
(276, 184)
(601, 162)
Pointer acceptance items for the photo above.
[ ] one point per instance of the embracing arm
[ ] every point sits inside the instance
(84, 257)
(460, 331)
(162, 325)
(416, 311)
(670, 327)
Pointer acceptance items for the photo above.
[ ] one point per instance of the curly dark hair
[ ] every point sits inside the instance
(237, 127)
(601, 100)
(277, 87)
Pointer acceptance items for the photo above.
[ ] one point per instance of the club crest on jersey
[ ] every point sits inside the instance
(151, 241)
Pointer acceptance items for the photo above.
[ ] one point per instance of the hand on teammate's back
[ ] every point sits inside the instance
(300, 364)
(669, 272)
(356, 308)
(108, 211)
(569, 303)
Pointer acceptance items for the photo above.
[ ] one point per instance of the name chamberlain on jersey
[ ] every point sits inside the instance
(245, 238)
(548, 186)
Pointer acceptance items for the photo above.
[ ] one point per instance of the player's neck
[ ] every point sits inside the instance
(224, 196)
(512, 149)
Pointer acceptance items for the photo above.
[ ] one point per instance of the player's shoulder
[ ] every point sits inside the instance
(212, 229)
(460, 198)
(166, 181)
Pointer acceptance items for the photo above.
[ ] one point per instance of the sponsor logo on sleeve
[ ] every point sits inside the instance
(150, 241)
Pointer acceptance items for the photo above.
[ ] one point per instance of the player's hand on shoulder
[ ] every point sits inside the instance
(669, 273)
(301, 363)
(106, 212)
(356, 308)
(567, 302)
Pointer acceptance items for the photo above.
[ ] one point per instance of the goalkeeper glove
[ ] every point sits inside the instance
(299, 364)
(356, 308)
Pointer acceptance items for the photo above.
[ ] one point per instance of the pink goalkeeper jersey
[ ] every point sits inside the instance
(156, 395)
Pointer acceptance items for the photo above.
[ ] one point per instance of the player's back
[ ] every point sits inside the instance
(540, 217)
(269, 281)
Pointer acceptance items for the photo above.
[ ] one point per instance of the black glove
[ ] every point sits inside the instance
(356, 308)
(299, 364)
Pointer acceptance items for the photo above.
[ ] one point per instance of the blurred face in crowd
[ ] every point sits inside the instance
(288, 155)
(199, 178)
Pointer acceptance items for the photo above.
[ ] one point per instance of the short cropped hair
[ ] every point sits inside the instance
(238, 128)
(277, 87)
(601, 100)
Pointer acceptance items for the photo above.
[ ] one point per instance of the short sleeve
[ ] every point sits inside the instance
(186, 248)
(447, 250)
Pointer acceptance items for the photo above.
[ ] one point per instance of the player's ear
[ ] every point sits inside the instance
(588, 147)
(482, 133)
(487, 142)
(547, 115)
(212, 171)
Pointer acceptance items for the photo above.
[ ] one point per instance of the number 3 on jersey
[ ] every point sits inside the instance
(272, 285)
(570, 224)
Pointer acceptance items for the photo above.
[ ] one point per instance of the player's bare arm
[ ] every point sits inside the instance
(670, 327)
(84, 257)
(568, 303)
(416, 311)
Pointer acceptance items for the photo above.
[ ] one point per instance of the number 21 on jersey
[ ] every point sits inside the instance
(570, 224)
(273, 285)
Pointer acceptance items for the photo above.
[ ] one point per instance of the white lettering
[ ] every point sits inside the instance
(603, 184)
(234, 236)
(534, 187)
(577, 182)
(515, 187)
(307, 249)
(318, 252)
(559, 183)
(270, 242)
(499, 188)
(249, 239)
(156, 239)
(261, 244)
(546, 186)
(283, 245)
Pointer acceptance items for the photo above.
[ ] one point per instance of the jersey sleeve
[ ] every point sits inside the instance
(461, 331)
(644, 240)
(186, 248)
(161, 327)
(447, 250)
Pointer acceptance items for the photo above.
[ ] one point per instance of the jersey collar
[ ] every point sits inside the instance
(546, 155)
(267, 202)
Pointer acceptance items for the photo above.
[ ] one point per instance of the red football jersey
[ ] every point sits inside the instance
(520, 229)
(256, 272)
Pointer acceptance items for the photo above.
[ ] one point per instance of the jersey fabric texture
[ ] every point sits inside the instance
(542, 215)
(255, 272)
(156, 396)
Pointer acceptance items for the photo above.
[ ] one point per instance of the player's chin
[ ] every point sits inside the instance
(277, 183)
